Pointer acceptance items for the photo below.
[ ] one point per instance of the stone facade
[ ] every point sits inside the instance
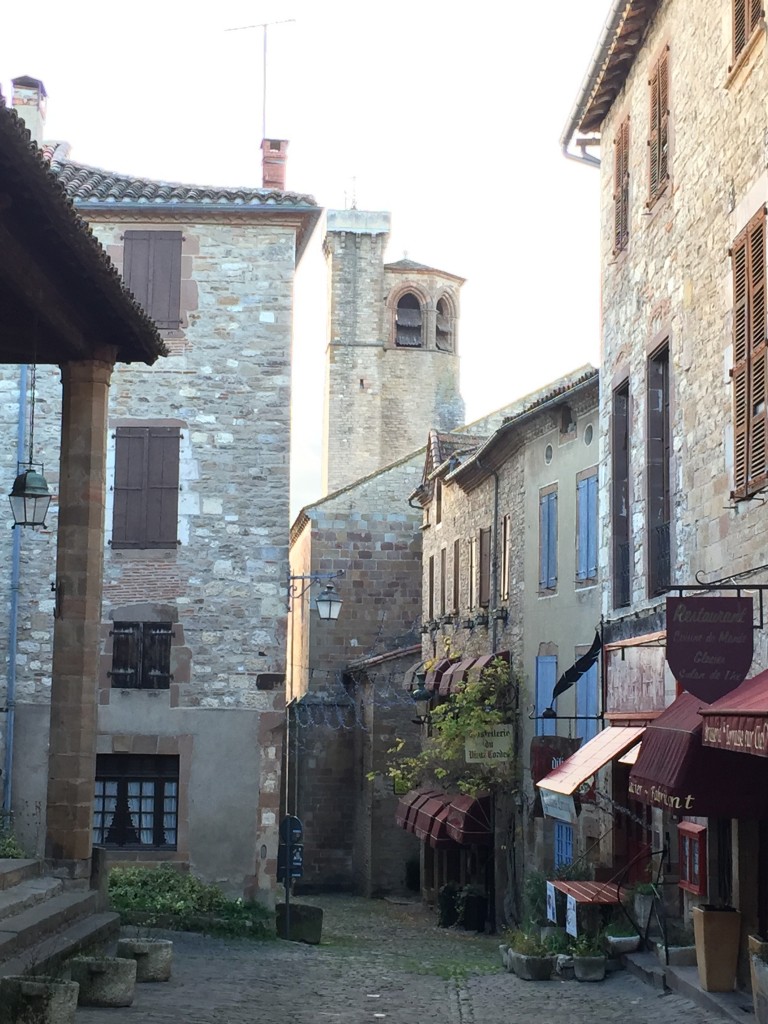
(382, 398)
(225, 387)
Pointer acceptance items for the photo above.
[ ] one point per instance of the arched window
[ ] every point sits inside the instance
(444, 327)
(408, 322)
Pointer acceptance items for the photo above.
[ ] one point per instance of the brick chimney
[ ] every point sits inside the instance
(29, 102)
(273, 157)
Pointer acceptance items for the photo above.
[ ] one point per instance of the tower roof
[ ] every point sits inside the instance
(412, 267)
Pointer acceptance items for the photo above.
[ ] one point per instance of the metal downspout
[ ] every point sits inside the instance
(13, 617)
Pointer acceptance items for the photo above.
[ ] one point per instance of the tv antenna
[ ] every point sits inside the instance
(263, 25)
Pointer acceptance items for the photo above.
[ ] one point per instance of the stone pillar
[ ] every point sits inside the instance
(79, 572)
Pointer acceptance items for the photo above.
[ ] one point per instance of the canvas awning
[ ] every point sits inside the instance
(454, 675)
(436, 673)
(408, 807)
(442, 819)
(739, 720)
(469, 820)
(590, 758)
(677, 772)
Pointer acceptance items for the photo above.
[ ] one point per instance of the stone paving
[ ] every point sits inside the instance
(379, 961)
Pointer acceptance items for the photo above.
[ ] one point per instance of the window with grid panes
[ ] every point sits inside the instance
(141, 655)
(563, 844)
(750, 466)
(658, 136)
(136, 801)
(747, 15)
(621, 188)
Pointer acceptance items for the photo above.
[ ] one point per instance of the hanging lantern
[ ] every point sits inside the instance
(29, 498)
(328, 604)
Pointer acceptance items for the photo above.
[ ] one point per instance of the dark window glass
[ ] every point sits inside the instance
(136, 801)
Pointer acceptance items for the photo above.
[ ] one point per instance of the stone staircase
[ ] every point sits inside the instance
(45, 920)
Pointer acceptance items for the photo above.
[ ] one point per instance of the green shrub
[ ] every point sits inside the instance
(9, 846)
(526, 943)
(587, 945)
(620, 929)
(165, 896)
(535, 897)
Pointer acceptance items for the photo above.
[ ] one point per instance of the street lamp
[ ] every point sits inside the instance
(29, 498)
(422, 696)
(328, 603)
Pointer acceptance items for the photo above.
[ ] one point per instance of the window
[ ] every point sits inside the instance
(746, 17)
(587, 701)
(620, 495)
(485, 568)
(621, 189)
(438, 502)
(546, 677)
(444, 327)
(472, 593)
(692, 841)
(658, 470)
(141, 655)
(563, 844)
(456, 574)
(506, 543)
(408, 322)
(658, 136)
(750, 470)
(443, 580)
(431, 608)
(548, 539)
(136, 801)
(152, 271)
(586, 535)
(146, 491)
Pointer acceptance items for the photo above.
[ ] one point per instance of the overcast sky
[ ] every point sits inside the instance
(447, 114)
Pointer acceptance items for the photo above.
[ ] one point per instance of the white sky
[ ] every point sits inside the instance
(446, 113)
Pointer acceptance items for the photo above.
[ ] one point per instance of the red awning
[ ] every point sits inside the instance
(739, 720)
(676, 772)
(469, 820)
(426, 814)
(480, 664)
(408, 807)
(438, 831)
(590, 758)
(435, 674)
(456, 674)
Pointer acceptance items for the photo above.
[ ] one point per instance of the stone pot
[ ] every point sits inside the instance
(153, 957)
(532, 968)
(618, 945)
(589, 968)
(37, 1000)
(104, 981)
(758, 969)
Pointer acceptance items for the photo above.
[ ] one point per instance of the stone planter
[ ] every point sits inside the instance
(38, 1000)
(104, 981)
(758, 969)
(717, 933)
(153, 957)
(618, 945)
(679, 956)
(305, 923)
(644, 916)
(589, 968)
(532, 968)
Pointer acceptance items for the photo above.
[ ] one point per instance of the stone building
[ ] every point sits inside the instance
(192, 639)
(510, 569)
(392, 359)
(675, 101)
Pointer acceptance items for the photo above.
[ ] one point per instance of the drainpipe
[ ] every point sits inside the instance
(614, 19)
(493, 602)
(13, 618)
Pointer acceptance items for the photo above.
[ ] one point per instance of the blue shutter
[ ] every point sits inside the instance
(588, 704)
(552, 582)
(592, 526)
(548, 541)
(546, 677)
(563, 844)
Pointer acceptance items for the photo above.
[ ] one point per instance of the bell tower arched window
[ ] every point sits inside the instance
(444, 327)
(409, 322)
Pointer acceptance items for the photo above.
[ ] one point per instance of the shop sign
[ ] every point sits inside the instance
(547, 752)
(709, 643)
(494, 746)
(745, 734)
(558, 805)
(659, 796)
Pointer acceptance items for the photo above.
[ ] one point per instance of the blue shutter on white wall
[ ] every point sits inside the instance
(587, 525)
(546, 677)
(548, 541)
(563, 844)
(588, 704)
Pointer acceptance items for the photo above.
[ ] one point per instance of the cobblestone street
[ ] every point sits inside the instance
(378, 961)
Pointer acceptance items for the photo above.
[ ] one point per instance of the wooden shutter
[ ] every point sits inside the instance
(746, 18)
(740, 363)
(456, 574)
(156, 656)
(757, 351)
(620, 496)
(548, 540)
(485, 568)
(586, 495)
(431, 584)
(443, 581)
(587, 700)
(126, 658)
(658, 141)
(546, 677)
(146, 488)
(152, 272)
(621, 188)
(471, 574)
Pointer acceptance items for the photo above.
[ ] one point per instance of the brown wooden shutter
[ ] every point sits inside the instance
(431, 583)
(146, 488)
(443, 580)
(152, 272)
(621, 188)
(739, 372)
(456, 574)
(485, 568)
(755, 14)
(658, 141)
(757, 349)
(746, 18)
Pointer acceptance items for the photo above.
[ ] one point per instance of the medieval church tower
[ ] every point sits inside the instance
(392, 364)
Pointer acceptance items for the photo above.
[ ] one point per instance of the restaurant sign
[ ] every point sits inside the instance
(746, 734)
(492, 746)
(709, 643)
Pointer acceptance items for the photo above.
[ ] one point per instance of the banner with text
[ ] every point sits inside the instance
(709, 643)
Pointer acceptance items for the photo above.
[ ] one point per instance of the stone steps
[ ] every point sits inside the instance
(46, 957)
(12, 872)
(36, 923)
(27, 894)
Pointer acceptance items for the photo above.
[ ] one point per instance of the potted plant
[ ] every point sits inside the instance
(529, 957)
(39, 999)
(588, 958)
(447, 911)
(104, 980)
(153, 956)
(472, 907)
(620, 937)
